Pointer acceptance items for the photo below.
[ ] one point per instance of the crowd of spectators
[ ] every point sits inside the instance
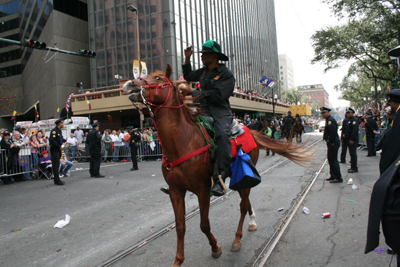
(252, 95)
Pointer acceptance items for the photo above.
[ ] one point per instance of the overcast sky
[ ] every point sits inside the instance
(296, 21)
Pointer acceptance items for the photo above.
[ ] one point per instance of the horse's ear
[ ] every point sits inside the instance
(168, 72)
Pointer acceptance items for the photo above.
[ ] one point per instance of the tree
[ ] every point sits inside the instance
(293, 95)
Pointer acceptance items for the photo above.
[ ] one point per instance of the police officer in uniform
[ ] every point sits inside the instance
(56, 145)
(385, 197)
(352, 139)
(370, 128)
(94, 142)
(333, 143)
(134, 139)
(343, 137)
(288, 121)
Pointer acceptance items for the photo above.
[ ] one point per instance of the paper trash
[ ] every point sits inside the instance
(62, 223)
(354, 186)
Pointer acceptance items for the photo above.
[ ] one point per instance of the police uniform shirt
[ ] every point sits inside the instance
(370, 126)
(216, 87)
(330, 132)
(134, 137)
(345, 128)
(56, 138)
(352, 129)
(94, 139)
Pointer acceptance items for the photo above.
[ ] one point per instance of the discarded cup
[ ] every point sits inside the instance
(354, 186)
(306, 211)
(280, 209)
(326, 215)
(350, 181)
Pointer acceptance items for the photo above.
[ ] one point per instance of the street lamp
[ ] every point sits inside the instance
(134, 9)
(274, 96)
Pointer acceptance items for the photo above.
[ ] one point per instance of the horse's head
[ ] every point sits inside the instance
(153, 89)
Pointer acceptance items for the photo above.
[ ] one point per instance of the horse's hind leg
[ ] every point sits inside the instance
(177, 197)
(204, 204)
(245, 207)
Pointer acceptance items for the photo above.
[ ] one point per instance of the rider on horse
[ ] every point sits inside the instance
(298, 120)
(216, 86)
(288, 122)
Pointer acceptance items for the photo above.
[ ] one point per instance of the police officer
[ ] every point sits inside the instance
(94, 142)
(343, 137)
(333, 143)
(288, 121)
(352, 139)
(385, 198)
(133, 141)
(370, 129)
(56, 145)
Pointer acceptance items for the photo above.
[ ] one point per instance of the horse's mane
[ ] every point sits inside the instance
(192, 115)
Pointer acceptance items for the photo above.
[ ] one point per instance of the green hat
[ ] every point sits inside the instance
(212, 46)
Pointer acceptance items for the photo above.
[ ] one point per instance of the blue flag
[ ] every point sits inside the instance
(264, 81)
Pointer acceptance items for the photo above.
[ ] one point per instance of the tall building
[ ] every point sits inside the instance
(36, 77)
(316, 93)
(286, 72)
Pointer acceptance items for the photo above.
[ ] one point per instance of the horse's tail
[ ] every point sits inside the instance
(301, 155)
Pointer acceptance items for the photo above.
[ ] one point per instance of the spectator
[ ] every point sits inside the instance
(107, 146)
(42, 142)
(79, 135)
(145, 140)
(115, 139)
(65, 165)
(73, 146)
(45, 164)
(34, 152)
(23, 156)
(12, 155)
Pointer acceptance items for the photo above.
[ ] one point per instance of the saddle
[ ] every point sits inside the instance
(236, 128)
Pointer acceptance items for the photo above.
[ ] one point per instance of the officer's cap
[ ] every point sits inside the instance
(59, 120)
(394, 95)
(324, 109)
(6, 133)
(369, 113)
(129, 128)
(95, 124)
(351, 110)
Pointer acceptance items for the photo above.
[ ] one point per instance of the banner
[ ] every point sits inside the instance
(89, 105)
(264, 81)
(144, 69)
(58, 112)
(13, 116)
(136, 69)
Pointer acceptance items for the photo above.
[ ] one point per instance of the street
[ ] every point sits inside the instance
(111, 214)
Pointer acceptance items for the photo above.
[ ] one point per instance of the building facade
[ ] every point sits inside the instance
(316, 93)
(286, 72)
(246, 31)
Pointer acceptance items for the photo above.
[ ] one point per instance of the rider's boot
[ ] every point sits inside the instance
(217, 189)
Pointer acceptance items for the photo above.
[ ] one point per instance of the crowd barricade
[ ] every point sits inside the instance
(23, 162)
(362, 141)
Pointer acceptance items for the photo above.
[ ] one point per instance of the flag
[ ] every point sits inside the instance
(90, 105)
(36, 113)
(58, 112)
(271, 84)
(264, 81)
(13, 116)
(68, 103)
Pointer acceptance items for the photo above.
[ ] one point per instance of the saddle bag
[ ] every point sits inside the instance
(244, 173)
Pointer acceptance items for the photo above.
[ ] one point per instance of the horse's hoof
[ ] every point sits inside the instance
(217, 254)
(236, 247)
(252, 227)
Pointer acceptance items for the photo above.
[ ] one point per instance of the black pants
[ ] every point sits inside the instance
(133, 156)
(55, 163)
(371, 144)
(344, 150)
(95, 160)
(224, 152)
(333, 161)
(353, 155)
(391, 231)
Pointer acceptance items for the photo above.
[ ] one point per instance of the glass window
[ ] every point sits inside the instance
(132, 53)
(108, 3)
(98, 5)
(100, 58)
(158, 47)
(111, 57)
(111, 71)
(110, 36)
(109, 16)
(99, 19)
(156, 6)
(9, 8)
(99, 36)
(132, 34)
(156, 26)
(120, 12)
(122, 54)
(121, 34)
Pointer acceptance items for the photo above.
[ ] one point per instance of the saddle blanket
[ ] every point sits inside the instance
(246, 140)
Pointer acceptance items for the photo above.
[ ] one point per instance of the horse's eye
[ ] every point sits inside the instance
(157, 78)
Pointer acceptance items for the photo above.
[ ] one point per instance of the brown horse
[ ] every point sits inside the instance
(179, 136)
(298, 131)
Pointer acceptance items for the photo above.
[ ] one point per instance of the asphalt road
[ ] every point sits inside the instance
(109, 215)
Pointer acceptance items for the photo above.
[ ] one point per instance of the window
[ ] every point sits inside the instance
(281, 67)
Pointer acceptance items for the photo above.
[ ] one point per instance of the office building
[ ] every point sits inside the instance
(286, 72)
(316, 93)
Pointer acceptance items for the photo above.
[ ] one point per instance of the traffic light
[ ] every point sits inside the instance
(395, 84)
(34, 44)
(87, 53)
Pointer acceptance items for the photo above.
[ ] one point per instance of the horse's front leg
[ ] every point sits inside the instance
(177, 197)
(204, 204)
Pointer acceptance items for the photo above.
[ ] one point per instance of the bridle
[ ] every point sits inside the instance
(149, 104)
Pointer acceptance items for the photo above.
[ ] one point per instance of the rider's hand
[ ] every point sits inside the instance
(185, 89)
(188, 54)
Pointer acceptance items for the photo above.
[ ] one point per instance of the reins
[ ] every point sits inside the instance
(167, 164)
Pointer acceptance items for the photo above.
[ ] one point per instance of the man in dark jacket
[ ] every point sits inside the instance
(287, 123)
(94, 142)
(56, 146)
(133, 141)
(333, 143)
(370, 129)
(343, 137)
(7, 145)
(352, 140)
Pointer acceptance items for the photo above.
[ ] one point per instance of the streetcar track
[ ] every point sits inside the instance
(190, 215)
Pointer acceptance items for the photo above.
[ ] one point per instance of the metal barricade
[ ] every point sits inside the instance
(150, 151)
(362, 141)
(15, 162)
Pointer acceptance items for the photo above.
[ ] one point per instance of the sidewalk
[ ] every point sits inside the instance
(339, 240)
